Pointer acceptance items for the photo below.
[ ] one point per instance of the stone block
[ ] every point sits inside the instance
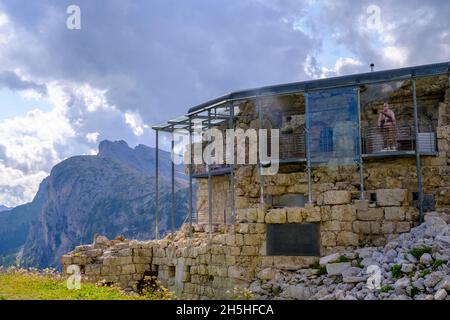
(311, 214)
(334, 269)
(361, 227)
(343, 213)
(331, 225)
(334, 197)
(375, 227)
(346, 238)
(293, 263)
(294, 215)
(371, 214)
(276, 216)
(394, 213)
(328, 239)
(252, 239)
(402, 227)
(329, 258)
(391, 197)
(361, 205)
(252, 215)
(387, 227)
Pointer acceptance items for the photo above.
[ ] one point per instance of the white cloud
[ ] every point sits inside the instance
(135, 122)
(341, 67)
(17, 187)
(92, 137)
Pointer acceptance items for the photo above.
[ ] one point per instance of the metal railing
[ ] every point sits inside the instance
(398, 138)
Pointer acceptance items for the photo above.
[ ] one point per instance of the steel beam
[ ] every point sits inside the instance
(417, 152)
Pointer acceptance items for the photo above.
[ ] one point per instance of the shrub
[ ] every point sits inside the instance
(437, 263)
(386, 288)
(419, 251)
(396, 271)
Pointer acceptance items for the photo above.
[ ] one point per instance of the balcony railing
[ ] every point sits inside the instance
(399, 138)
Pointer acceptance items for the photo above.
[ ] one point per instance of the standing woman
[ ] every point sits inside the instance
(388, 127)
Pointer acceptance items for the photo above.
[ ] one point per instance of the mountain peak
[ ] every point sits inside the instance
(107, 146)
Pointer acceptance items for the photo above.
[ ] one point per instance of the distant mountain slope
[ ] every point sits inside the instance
(141, 158)
(4, 208)
(84, 195)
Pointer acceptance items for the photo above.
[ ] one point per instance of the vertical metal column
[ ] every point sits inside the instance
(361, 169)
(417, 152)
(191, 160)
(173, 179)
(261, 150)
(231, 126)
(208, 166)
(308, 147)
(156, 186)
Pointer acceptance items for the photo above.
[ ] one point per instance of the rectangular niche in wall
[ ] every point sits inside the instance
(294, 239)
(289, 200)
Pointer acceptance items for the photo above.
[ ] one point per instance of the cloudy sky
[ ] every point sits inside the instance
(136, 63)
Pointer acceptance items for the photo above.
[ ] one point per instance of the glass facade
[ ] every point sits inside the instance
(333, 127)
(387, 117)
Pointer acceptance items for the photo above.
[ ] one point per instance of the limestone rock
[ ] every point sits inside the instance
(337, 268)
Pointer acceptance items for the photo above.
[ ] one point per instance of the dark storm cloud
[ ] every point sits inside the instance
(13, 82)
(160, 57)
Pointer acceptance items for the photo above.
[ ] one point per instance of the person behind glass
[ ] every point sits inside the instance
(387, 125)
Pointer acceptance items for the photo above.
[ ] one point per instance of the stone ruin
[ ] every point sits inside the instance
(265, 238)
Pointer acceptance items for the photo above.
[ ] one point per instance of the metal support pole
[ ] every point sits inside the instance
(191, 147)
(308, 147)
(208, 168)
(361, 169)
(231, 126)
(261, 150)
(173, 180)
(417, 152)
(156, 186)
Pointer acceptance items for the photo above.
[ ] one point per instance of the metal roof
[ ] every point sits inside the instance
(311, 85)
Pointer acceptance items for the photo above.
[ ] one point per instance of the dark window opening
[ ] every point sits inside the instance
(294, 239)
(171, 272)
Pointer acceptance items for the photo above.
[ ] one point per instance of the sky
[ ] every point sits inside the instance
(136, 63)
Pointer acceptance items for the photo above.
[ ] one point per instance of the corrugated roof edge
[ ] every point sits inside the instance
(424, 70)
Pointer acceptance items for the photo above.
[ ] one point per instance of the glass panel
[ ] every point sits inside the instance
(287, 113)
(431, 110)
(334, 134)
(387, 118)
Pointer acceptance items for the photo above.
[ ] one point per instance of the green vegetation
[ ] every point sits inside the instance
(424, 273)
(419, 251)
(21, 284)
(386, 288)
(437, 263)
(396, 271)
(321, 269)
(415, 290)
(343, 259)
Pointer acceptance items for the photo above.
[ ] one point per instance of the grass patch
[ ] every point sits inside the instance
(31, 285)
(424, 273)
(419, 251)
(343, 259)
(415, 291)
(396, 271)
(437, 263)
(386, 288)
(321, 269)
